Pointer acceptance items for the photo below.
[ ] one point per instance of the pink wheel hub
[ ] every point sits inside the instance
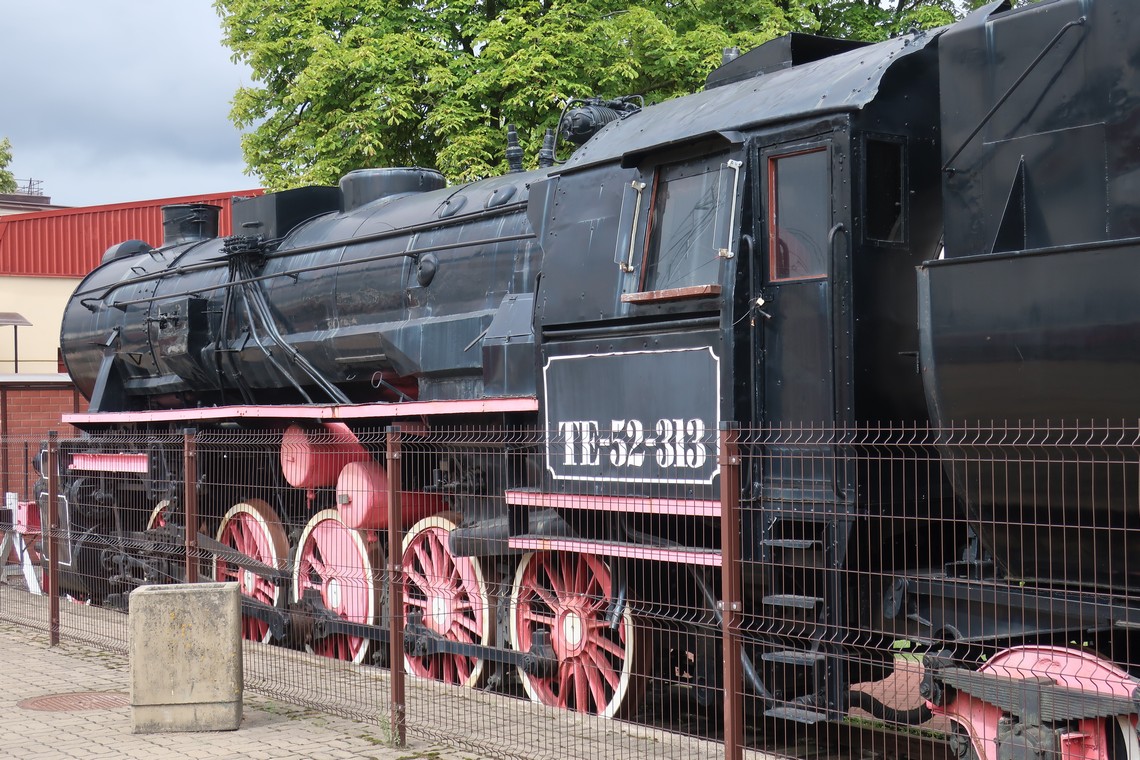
(568, 596)
(339, 563)
(253, 529)
(449, 595)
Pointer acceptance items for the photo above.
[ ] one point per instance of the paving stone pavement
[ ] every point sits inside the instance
(444, 722)
(270, 729)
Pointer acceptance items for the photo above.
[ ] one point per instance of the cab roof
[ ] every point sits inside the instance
(847, 81)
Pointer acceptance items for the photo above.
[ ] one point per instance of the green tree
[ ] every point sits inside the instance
(7, 179)
(348, 84)
(873, 20)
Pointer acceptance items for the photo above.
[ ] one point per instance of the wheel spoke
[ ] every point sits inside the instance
(426, 566)
(538, 617)
(582, 578)
(241, 537)
(581, 688)
(604, 667)
(565, 586)
(418, 580)
(439, 555)
(318, 566)
(263, 590)
(548, 599)
(609, 645)
(565, 672)
(597, 688)
(469, 623)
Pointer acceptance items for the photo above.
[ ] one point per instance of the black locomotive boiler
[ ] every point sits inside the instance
(939, 228)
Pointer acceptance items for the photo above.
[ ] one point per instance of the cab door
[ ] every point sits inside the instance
(802, 246)
(795, 294)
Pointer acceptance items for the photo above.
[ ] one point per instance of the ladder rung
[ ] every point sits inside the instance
(794, 657)
(792, 600)
(791, 543)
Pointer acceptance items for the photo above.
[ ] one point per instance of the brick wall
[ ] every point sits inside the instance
(28, 410)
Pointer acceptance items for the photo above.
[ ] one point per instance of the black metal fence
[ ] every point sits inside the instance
(898, 590)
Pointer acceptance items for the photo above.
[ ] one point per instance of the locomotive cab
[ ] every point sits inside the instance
(681, 255)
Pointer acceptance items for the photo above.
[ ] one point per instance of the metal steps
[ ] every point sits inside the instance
(795, 657)
(793, 544)
(793, 601)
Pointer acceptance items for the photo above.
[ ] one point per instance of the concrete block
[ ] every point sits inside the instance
(186, 658)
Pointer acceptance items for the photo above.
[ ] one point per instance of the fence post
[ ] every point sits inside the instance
(396, 587)
(731, 596)
(52, 535)
(5, 442)
(190, 500)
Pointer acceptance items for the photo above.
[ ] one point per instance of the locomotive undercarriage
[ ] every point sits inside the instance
(479, 612)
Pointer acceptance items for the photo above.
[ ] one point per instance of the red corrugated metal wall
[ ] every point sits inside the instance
(70, 242)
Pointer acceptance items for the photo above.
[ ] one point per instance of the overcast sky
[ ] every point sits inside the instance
(107, 101)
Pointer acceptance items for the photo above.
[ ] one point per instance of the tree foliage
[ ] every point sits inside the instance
(873, 20)
(348, 84)
(7, 179)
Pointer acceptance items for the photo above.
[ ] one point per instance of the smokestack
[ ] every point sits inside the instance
(546, 155)
(189, 223)
(514, 152)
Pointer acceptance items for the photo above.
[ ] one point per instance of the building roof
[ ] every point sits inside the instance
(25, 202)
(11, 318)
(70, 242)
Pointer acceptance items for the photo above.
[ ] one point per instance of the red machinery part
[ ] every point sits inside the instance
(599, 665)
(312, 457)
(27, 518)
(1062, 667)
(362, 498)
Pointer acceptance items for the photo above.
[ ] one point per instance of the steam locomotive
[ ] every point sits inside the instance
(932, 229)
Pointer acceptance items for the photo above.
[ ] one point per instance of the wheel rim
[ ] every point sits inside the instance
(339, 564)
(159, 516)
(568, 596)
(253, 528)
(450, 596)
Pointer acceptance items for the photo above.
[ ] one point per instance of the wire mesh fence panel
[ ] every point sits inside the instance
(21, 548)
(942, 582)
(894, 590)
(516, 594)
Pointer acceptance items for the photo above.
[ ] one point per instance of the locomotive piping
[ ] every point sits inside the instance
(254, 294)
(269, 354)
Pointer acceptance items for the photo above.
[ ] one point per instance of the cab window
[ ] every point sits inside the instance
(688, 225)
(799, 214)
